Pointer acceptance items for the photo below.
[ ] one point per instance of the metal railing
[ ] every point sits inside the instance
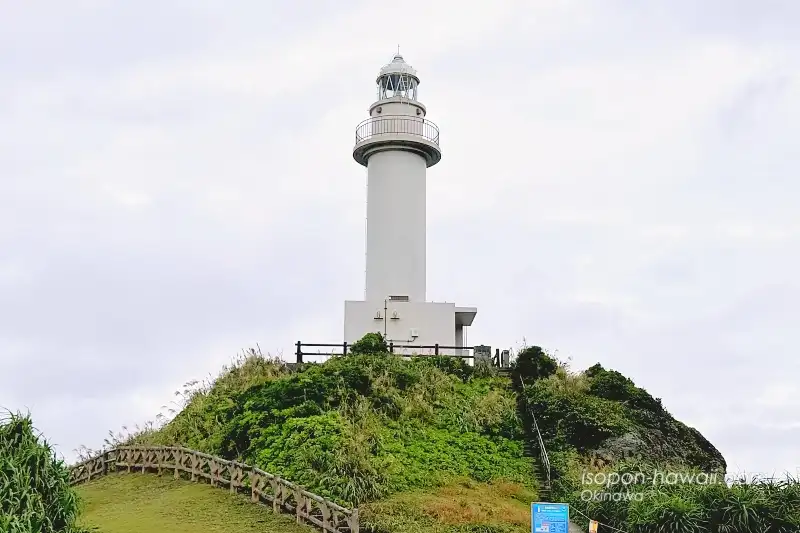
(397, 124)
(420, 351)
(433, 350)
(542, 450)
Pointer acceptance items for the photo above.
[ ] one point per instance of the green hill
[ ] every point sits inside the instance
(433, 445)
(598, 419)
(619, 457)
(136, 503)
(426, 445)
(411, 443)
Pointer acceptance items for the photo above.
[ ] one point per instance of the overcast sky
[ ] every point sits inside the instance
(618, 184)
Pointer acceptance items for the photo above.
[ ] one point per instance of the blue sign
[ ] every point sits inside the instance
(549, 518)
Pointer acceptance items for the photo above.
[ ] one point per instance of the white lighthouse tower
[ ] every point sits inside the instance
(398, 144)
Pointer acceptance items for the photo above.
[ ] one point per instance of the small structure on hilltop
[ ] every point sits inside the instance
(397, 145)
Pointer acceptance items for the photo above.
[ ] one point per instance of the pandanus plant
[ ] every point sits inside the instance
(35, 496)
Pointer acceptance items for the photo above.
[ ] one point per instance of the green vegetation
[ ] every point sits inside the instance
(365, 428)
(605, 417)
(35, 496)
(767, 506)
(462, 506)
(599, 421)
(436, 446)
(136, 503)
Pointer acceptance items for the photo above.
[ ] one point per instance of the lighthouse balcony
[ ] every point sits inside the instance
(397, 132)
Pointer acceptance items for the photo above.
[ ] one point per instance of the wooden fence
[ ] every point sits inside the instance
(282, 495)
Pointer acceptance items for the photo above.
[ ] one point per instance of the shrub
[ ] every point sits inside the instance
(35, 496)
(577, 420)
(371, 343)
(449, 365)
(533, 363)
(612, 385)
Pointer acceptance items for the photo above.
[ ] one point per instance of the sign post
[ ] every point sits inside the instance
(549, 517)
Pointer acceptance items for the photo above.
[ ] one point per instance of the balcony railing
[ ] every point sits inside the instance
(397, 124)
(326, 351)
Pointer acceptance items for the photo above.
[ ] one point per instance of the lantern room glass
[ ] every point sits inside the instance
(397, 84)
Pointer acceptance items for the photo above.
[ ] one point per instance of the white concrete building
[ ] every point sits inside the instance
(398, 144)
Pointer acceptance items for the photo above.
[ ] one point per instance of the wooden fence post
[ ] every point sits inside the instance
(177, 456)
(277, 491)
(254, 479)
(327, 518)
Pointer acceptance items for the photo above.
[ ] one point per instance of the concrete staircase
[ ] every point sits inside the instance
(531, 445)
(531, 449)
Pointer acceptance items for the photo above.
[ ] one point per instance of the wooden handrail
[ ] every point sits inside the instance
(263, 487)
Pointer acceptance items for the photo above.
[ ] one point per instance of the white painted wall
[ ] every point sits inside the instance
(397, 106)
(396, 240)
(434, 323)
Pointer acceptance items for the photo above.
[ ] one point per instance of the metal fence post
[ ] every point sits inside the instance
(299, 352)
(391, 347)
(436, 349)
(344, 348)
(482, 354)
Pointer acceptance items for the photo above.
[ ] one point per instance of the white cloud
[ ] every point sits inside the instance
(780, 394)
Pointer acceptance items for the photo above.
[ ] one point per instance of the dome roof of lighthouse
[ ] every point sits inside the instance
(398, 66)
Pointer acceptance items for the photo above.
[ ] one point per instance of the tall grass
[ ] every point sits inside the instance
(35, 496)
(198, 409)
(762, 506)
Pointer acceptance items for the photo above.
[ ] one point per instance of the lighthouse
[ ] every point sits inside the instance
(398, 144)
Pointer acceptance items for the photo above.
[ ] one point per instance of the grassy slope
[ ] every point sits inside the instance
(426, 445)
(458, 506)
(136, 503)
(432, 447)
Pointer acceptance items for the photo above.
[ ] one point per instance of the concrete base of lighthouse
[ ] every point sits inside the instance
(410, 324)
